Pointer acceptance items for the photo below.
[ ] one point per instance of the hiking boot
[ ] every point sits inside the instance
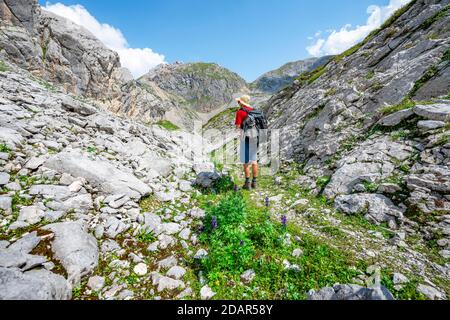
(247, 186)
(254, 184)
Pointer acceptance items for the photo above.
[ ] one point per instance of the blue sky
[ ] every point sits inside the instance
(249, 37)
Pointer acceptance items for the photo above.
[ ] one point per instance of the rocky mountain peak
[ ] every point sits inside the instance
(273, 81)
(203, 86)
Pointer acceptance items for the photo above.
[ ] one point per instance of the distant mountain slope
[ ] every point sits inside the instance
(273, 81)
(202, 86)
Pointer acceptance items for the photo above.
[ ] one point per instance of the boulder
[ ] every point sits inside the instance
(351, 292)
(376, 207)
(75, 249)
(437, 112)
(11, 138)
(33, 285)
(430, 125)
(206, 179)
(30, 215)
(396, 118)
(4, 178)
(100, 174)
(6, 204)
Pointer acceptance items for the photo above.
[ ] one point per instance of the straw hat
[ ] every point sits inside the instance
(244, 100)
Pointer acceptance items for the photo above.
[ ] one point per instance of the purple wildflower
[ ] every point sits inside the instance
(284, 221)
(214, 223)
(267, 201)
(242, 243)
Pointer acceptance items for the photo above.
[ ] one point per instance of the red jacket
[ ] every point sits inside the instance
(241, 115)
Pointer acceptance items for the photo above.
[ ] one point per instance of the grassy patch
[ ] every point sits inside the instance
(446, 56)
(3, 66)
(221, 119)
(311, 76)
(241, 236)
(370, 187)
(165, 124)
(322, 182)
(405, 104)
(408, 292)
(331, 92)
(210, 70)
(370, 75)
(438, 16)
(149, 204)
(146, 237)
(377, 86)
(429, 74)
(314, 113)
(4, 148)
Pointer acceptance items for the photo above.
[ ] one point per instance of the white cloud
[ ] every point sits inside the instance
(343, 39)
(138, 60)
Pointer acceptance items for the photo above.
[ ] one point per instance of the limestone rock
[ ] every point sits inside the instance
(75, 249)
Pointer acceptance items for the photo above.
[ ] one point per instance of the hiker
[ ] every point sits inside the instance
(249, 122)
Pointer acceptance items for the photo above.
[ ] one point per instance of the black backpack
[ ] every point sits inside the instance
(255, 120)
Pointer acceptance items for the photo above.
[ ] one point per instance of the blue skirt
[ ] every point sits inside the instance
(249, 150)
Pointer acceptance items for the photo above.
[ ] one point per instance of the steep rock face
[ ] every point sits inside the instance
(203, 86)
(276, 80)
(374, 122)
(335, 103)
(58, 50)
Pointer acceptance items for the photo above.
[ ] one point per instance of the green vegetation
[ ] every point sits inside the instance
(370, 187)
(44, 47)
(377, 86)
(165, 124)
(408, 290)
(370, 75)
(149, 204)
(314, 113)
(76, 292)
(3, 66)
(4, 148)
(323, 182)
(241, 236)
(146, 237)
(210, 70)
(429, 74)
(446, 56)
(331, 92)
(311, 76)
(350, 51)
(47, 85)
(406, 103)
(439, 15)
(92, 150)
(222, 118)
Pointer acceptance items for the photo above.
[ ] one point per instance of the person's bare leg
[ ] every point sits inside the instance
(247, 171)
(247, 185)
(255, 169)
